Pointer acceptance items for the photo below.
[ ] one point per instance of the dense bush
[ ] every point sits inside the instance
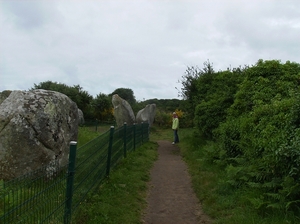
(264, 114)
(218, 97)
(210, 94)
(255, 118)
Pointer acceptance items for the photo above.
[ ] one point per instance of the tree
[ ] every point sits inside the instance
(102, 107)
(189, 90)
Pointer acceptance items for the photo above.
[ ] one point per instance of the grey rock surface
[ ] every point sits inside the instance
(36, 128)
(122, 111)
(146, 114)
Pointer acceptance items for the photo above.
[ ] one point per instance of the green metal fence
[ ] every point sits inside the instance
(52, 194)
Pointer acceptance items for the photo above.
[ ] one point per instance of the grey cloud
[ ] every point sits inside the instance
(26, 14)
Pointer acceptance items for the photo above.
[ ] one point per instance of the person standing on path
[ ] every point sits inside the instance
(175, 126)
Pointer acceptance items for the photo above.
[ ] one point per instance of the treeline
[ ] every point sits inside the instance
(251, 116)
(100, 107)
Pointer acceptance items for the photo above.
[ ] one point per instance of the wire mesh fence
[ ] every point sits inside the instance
(48, 196)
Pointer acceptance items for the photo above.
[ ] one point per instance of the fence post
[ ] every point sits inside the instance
(134, 136)
(111, 135)
(70, 180)
(125, 140)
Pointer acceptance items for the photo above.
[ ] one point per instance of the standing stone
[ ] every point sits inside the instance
(147, 114)
(36, 128)
(80, 117)
(122, 111)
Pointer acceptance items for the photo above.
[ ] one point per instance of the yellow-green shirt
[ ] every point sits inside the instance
(175, 124)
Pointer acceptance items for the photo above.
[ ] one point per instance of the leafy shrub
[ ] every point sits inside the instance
(261, 132)
(215, 95)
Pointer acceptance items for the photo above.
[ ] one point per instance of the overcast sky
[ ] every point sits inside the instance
(144, 45)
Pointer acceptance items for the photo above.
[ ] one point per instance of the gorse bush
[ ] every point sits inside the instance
(254, 116)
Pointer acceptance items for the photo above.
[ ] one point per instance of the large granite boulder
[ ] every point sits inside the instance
(146, 115)
(122, 111)
(36, 128)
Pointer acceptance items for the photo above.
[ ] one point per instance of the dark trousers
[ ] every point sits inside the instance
(176, 138)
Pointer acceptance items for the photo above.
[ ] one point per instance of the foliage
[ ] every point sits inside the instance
(215, 186)
(189, 90)
(259, 139)
(212, 96)
(253, 115)
(162, 118)
(167, 105)
(103, 110)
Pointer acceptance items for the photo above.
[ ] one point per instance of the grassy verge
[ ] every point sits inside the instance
(121, 198)
(157, 133)
(86, 134)
(223, 204)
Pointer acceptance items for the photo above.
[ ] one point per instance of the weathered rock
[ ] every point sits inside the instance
(80, 117)
(147, 114)
(36, 128)
(122, 111)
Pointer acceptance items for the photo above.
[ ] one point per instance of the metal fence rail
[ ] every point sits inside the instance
(52, 194)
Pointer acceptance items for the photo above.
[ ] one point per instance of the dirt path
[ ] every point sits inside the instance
(171, 199)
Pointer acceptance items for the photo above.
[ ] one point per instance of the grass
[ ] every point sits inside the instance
(121, 197)
(157, 133)
(86, 134)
